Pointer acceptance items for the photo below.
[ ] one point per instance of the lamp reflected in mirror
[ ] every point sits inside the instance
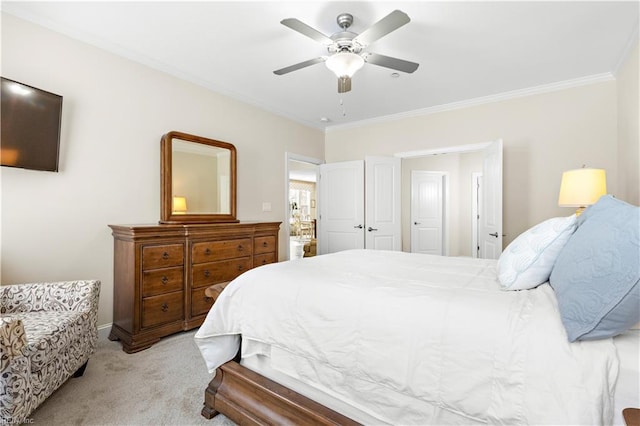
(581, 188)
(9, 156)
(179, 205)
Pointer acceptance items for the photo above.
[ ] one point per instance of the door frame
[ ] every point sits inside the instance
(444, 150)
(288, 156)
(476, 188)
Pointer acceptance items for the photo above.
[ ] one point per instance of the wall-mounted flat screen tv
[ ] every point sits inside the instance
(31, 120)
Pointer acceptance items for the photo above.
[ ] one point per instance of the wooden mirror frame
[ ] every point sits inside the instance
(166, 181)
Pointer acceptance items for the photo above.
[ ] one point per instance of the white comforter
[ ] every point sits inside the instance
(415, 339)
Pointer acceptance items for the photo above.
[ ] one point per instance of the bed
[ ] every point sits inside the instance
(380, 337)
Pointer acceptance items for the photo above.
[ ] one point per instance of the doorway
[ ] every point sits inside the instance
(469, 219)
(301, 205)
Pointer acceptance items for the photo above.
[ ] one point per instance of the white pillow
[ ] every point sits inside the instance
(527, 262)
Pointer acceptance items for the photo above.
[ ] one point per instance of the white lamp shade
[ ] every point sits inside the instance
(582, 187)
(344, 64)
(179, 204)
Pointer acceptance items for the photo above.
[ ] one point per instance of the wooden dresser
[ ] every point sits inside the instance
(161, 273)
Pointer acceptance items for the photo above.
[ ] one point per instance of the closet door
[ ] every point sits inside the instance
(490, 240)
(341, 192)
(342, 223)
(382, 198)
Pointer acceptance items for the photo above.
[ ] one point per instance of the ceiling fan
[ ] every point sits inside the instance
(346, 48)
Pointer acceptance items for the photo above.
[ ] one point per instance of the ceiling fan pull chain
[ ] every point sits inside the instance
(344, 110)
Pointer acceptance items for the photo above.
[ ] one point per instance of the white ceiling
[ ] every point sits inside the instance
(466, 50)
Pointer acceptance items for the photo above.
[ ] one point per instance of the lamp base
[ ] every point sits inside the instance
(580, 210)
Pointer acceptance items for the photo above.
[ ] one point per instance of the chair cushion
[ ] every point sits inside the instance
(49, 333)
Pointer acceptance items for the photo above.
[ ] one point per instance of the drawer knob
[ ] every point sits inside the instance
(207, 252)
(164, 280)
(264, 261)
(240, 267)
(165, 307)
(265, 244)
(240, 247)
(165, 255)
(207, 273)
(207, 299)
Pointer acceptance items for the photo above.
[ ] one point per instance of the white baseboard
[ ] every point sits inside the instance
(103, 331)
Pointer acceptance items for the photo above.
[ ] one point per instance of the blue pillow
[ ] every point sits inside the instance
(596, 276)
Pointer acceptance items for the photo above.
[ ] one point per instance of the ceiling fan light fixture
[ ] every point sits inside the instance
(344, 64)
(344, 84)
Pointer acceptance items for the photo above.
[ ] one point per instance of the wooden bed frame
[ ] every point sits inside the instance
(249, 398)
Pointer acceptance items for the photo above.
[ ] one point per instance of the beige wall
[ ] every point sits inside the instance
(54, 225)
(543, 135)
(628, 135)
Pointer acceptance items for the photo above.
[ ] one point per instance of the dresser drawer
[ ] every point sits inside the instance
(264, 245)
(200, 303)
(220, 250)
(263, 259)
(206, 274)
(162, 309)
(165, 256)
(159, 281)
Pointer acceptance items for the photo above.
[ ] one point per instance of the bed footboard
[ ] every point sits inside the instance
(249, 398)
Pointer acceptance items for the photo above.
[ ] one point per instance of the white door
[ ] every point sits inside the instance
(382, 199)
(341, 194)
(427, 212)
(490, 240)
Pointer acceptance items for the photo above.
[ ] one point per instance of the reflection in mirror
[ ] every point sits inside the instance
(198, 179)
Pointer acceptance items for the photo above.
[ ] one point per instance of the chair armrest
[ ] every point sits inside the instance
(55, 296)
(12, 340)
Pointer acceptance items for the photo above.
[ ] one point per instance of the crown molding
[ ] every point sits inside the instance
(536, 90)
(628, 48)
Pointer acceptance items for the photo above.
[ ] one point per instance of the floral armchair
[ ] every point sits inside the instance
(48, 331)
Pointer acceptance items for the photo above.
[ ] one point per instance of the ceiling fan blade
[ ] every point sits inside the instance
(389, 23)
(304, 29)
(389, 62)
(300, 65)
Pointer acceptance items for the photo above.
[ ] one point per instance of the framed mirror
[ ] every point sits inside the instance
(198, 179)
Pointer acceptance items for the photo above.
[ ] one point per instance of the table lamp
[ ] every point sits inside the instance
(581, 188)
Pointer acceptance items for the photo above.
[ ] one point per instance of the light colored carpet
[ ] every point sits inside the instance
(162, 385)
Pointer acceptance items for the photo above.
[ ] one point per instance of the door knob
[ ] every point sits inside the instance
(358, 226)
(416, 223)
(495, 234)
(371, 229)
